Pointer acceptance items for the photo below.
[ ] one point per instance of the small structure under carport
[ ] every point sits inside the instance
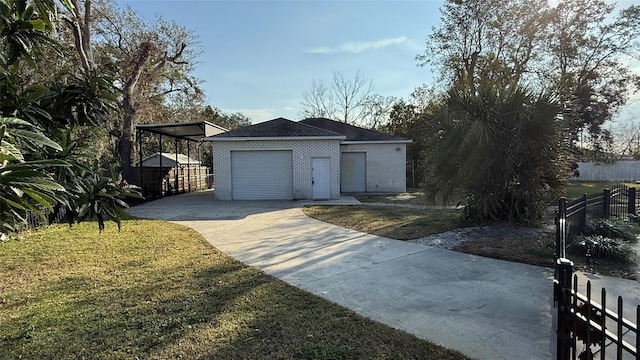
(192, 132)
(312, 159)
(170, 173)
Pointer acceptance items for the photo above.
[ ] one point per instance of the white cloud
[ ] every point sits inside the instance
(358, 47)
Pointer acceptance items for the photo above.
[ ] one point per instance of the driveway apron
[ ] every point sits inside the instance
(485, 308)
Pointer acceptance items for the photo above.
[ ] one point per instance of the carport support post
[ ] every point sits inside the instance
(199, 179)
(189, 165)
(161, 171)
(176, 169)
(139, 135)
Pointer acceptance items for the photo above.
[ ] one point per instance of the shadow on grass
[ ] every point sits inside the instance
(222, 311)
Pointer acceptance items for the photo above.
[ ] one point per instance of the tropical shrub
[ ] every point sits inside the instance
(614, 229)
(500, 148)
(25, 186)
(40, 165)
(101, 198)
(602, 248)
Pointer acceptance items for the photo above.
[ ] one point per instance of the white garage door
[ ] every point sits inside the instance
(353, 172)
(262, 175)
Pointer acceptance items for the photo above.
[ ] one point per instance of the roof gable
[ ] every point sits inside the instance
(352, 133)
(279, 127)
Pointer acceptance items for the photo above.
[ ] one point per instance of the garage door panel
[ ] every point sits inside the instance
(353, 172)
(262, 175)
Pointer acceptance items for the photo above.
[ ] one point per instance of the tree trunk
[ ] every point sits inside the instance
(125, 143)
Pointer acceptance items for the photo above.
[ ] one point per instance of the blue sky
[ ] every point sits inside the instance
(258, 57)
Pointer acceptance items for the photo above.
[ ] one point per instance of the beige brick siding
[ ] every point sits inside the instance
(303, 151)
(386, 166)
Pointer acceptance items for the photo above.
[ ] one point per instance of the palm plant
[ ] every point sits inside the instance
(25, 186)
(101, 197)
(499, 147)
(36, 172)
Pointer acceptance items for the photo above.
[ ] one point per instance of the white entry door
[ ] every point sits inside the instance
(320, 178)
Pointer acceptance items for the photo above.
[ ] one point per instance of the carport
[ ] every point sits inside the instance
(191, 132)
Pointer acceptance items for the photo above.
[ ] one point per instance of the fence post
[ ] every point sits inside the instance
(583, 212)
(562, 283)
(631, 200)
(606, 209)
(561, 228)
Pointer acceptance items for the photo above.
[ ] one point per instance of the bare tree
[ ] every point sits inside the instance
(351, 96)
(318, 101)
(626, 138)
(346, 100)
(377, 110)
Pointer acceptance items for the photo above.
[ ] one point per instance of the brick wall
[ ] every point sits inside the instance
(386, 166)
(302, 150)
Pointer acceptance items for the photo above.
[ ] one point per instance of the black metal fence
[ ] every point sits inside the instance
(620, 201)
(34, 221)
(586, 327)
(580, 318)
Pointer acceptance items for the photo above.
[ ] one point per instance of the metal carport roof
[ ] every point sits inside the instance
(189, 131)
(194, 131)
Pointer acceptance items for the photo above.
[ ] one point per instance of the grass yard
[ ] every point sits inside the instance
(158, 290)
(407, 223)
(411, 197)
(575, 189)
(392, 222)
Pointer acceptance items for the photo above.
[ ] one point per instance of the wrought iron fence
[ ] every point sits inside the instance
(620, 201)
(580, 318)
(34, 221)
(586, 327)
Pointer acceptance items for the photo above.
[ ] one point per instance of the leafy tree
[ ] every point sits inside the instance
(499, 147)
(26, 184)
(36, 172)
(227, 121)
(576, 50)
(149, 60)
(586, 64)
(487, 40)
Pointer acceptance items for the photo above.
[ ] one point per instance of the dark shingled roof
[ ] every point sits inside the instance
(279, 127)
(353, 133)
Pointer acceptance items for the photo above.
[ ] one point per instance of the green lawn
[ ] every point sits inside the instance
(392, 222)
(575, 189)
(158, 290)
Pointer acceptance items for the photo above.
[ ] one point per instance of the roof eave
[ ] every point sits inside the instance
(352, 142)
(256, 138)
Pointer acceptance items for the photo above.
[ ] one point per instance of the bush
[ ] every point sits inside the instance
(603, 248)
(613, 229)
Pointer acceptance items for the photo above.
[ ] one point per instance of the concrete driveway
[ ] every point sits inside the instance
(485, 308)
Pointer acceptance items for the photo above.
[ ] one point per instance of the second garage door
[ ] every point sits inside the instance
(262, 175)
(353, 172)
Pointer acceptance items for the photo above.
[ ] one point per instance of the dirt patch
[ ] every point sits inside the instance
(533, 249)
(539, 249)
